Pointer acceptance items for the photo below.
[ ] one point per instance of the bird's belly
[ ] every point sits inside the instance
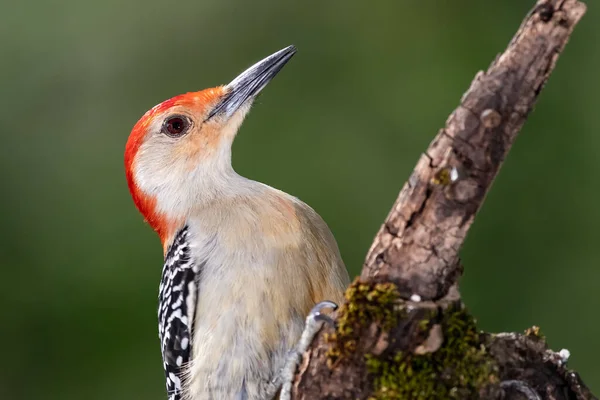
(240, 341)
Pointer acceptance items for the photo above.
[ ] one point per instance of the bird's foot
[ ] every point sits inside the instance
(314, 322)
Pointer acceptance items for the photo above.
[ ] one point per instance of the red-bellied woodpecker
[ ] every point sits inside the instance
(244, 263)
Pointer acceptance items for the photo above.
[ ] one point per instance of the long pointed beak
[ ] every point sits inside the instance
(250, 82)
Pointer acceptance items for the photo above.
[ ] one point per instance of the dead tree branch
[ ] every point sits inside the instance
(403, 331)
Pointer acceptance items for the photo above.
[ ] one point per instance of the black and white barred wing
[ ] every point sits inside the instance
(177, 302)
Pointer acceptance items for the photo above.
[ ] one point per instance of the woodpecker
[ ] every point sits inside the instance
(244, 263)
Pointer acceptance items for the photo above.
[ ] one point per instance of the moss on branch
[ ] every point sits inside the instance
(445, 358)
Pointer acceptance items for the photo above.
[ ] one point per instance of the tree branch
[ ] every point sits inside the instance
(403, 331)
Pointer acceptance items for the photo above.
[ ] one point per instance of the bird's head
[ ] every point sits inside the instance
(181, 148)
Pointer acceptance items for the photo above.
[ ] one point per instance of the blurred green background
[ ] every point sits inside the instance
(341, 128)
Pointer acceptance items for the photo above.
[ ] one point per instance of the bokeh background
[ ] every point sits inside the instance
(341, 127)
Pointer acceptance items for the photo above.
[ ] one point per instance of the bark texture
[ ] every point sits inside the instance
(403, 331)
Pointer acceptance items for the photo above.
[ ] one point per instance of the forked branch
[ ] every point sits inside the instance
(404, 332)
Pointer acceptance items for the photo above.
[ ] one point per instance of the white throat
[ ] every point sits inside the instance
(178, 191)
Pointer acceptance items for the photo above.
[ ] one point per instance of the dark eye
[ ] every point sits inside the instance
(176, 125)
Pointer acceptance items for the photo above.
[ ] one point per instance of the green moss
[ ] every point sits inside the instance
(425, 322)
(364, 303)
(535, 331)
(458, 369)
(442, 177)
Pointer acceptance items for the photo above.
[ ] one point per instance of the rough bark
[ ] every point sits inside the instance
(404, 312)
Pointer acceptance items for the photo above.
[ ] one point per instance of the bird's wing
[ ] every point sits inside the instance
(177, 302)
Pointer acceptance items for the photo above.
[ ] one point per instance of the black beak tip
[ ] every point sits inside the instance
(286, 53)
(292, 49)
(250, 82)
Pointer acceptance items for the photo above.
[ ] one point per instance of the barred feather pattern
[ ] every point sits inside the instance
(177, 303)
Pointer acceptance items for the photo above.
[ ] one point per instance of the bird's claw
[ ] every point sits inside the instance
(314, 322)
(315, 314)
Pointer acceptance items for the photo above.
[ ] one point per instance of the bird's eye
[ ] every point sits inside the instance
(176, 125)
